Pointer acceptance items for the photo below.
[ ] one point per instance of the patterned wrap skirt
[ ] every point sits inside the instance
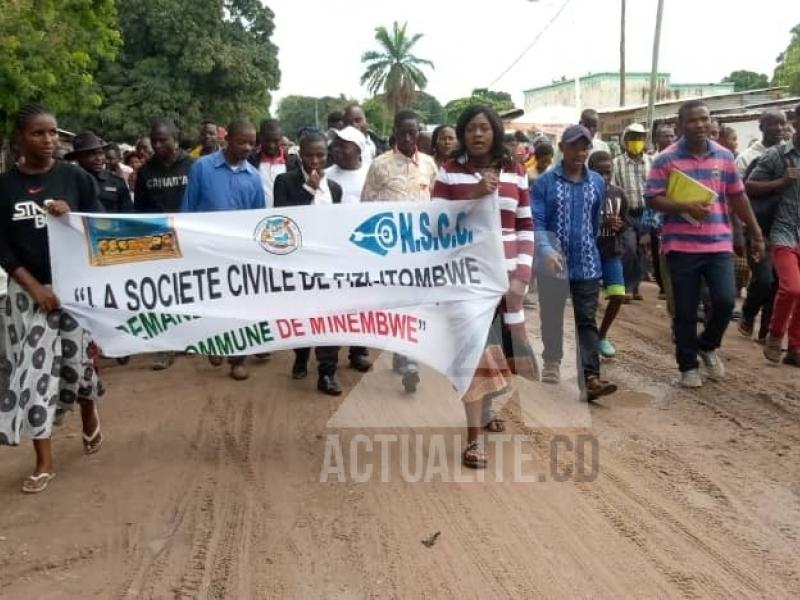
(47, 358)
(507, 353)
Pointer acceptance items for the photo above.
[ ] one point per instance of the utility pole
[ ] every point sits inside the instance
(654, 72)
(622, 54)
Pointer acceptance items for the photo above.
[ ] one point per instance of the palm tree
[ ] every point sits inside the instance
(394, 70)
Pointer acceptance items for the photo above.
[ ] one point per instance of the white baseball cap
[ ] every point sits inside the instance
(351, 134)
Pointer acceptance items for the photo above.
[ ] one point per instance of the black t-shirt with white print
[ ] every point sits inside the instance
(23, 218)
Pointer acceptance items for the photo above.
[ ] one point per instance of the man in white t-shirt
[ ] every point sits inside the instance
(349, 169)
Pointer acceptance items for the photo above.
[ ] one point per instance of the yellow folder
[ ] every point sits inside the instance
(686, 190)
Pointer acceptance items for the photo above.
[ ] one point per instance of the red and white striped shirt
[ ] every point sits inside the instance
(457, 179)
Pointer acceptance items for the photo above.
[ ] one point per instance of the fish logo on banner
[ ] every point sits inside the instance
(412, 232)
(377, 234)
(278, 235)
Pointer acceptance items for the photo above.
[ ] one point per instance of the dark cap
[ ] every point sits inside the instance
(85, 142)
(575, 132)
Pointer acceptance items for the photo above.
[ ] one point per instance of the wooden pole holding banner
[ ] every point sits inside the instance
(654, 73)
(622, 54)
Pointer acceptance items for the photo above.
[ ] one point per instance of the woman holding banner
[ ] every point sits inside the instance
(48, 350)
(482, 172)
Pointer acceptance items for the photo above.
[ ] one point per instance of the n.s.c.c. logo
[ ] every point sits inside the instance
(413, 232)
(278, 235)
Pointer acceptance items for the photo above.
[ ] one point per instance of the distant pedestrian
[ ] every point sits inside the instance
(777, 175)
(444, 143)
(89, 152)
(613, 221)
(631, 169)
(763, 286)
(207, 140)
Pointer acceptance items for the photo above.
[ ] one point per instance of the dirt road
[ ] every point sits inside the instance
(208, 488)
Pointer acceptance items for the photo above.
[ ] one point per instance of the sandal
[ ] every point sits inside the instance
(37, 483)
(495, 425)
(92, 443)
(474, 455)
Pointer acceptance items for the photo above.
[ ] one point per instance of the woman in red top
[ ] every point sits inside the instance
(483, 171)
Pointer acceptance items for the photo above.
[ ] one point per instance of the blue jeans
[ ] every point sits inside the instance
(687, 271)
(553, 295)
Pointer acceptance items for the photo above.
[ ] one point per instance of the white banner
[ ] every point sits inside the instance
(418, 279)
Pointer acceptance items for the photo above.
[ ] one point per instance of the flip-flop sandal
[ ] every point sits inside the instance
(474, 456)
(496, 425)
(37, 483)
(92, 443)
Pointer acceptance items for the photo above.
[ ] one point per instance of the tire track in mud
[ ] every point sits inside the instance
(146, 572)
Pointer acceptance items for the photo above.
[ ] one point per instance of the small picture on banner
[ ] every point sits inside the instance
(130, 239)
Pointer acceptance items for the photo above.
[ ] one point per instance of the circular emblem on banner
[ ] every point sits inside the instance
(278, 235)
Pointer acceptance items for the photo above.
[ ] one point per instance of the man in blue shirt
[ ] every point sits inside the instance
(566, 205)
(225, 180)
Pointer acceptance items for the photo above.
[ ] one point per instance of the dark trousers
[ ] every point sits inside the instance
(553, 293)
(687, 272)
(634, 261)
(327, 357)
(655, 251)
(760, 293)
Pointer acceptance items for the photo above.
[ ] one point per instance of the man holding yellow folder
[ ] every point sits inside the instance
(693, 182)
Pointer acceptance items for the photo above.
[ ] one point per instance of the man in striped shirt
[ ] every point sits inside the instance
(698, 239)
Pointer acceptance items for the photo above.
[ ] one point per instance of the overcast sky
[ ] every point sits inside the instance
(471, 42)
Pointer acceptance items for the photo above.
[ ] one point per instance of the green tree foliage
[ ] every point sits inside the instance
(429, 109)
(394, 70)
(49, 50)
(190, 60)
(378, 116)
(499, 101)
(295, 112)
(788, 70)
(747, 80)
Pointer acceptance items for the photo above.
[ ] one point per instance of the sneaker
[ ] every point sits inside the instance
(691, 379)
(792, 358)
(606, 348)
(713, 364)
(772, 348)
(551, 373)
(745, 329)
